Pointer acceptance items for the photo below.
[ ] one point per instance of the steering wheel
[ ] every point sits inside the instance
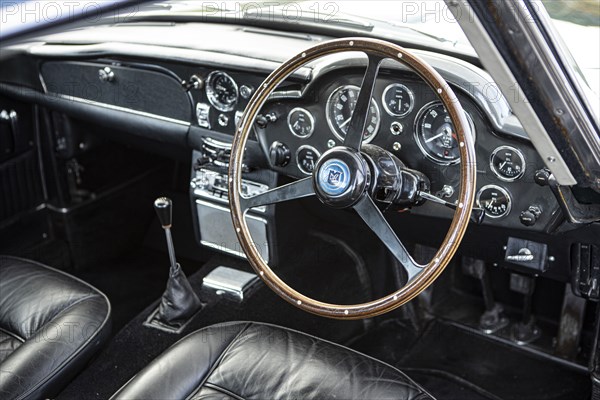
(356, 175)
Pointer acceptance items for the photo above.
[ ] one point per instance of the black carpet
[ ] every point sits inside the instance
(135, 345)
(453, 363)
(131, 282)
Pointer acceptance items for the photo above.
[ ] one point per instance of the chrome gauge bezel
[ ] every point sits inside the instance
(310, 117)
(317, 152)
(332, 125)
(211, 92)
(504, 191)
(497, 173)
(417, 131)
(411, 96)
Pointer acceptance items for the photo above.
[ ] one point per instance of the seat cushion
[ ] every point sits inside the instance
(246, 360)
(50, 325)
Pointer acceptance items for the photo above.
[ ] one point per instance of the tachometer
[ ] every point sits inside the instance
(340, 107)
(221, 91)
(435, 135)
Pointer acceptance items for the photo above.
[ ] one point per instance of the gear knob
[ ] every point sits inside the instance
(164, 207)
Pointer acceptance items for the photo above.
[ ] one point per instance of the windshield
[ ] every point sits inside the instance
(428, 23)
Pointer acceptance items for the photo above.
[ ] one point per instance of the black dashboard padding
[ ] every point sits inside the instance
(143, 129)
(247, 360)
(131, 88)
(50, 325)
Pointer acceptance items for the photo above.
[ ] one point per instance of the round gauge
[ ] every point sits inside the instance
(494, 200)
(301, 122)
(222, 91)
(306, 159)
(507, 163)
(340, 107)
(398, 100)
(435, 136)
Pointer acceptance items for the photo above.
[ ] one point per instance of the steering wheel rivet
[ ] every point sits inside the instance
(346, 312)
(460, 205)
(436, 260)
(237, 229)
(439, 90)
(395, 297)
(303, 55)
(399, 55)
(352, 43)
(462, 144)
(299, 302)
(262, 273)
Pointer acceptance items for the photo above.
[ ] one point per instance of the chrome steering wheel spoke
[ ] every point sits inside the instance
(291, 191)
(356, 128)
(370, 213)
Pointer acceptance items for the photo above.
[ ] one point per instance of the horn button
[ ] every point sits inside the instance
(341, 177)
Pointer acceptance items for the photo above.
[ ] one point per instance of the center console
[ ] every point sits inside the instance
(210, 199)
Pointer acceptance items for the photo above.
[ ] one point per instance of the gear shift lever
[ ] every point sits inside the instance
(178, 302)
(164, 210)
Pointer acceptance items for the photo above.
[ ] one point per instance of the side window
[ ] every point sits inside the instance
(576, 24)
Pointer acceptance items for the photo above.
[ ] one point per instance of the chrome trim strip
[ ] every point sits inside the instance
(162, 53)
(492, 60)
(118, 108)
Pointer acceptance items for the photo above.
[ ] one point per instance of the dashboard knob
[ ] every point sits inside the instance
(279, 154)
(530, 216)
(542, 176)
(106, 74)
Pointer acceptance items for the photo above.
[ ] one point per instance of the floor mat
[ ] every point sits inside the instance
(454, 363)
(131, 282)
(135, 345)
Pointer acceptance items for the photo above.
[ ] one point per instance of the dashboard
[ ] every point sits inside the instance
(193, 94)
(302, 121)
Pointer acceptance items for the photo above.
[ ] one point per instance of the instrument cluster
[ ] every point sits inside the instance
(406, 118)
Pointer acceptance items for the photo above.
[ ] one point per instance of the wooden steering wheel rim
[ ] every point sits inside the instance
(461, 217)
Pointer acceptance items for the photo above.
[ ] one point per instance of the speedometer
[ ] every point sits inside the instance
(435, 135)
(221, 91)
(340, 107)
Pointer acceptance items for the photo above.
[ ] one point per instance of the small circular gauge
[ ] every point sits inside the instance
(435, 136)
(494, 200)
(301, 122)
(306, 159)
(507, 163)
(221, 91)
(398, 100)
(340, 107)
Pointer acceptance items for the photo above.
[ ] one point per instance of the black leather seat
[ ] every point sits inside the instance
(245, 360)
(50, 325)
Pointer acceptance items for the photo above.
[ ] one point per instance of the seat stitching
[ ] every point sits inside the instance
(216, 364)
(12, 334)
(223, 390)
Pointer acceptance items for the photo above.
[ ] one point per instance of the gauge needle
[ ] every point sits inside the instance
(435, 137)
(503, 164)
(343, 124)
